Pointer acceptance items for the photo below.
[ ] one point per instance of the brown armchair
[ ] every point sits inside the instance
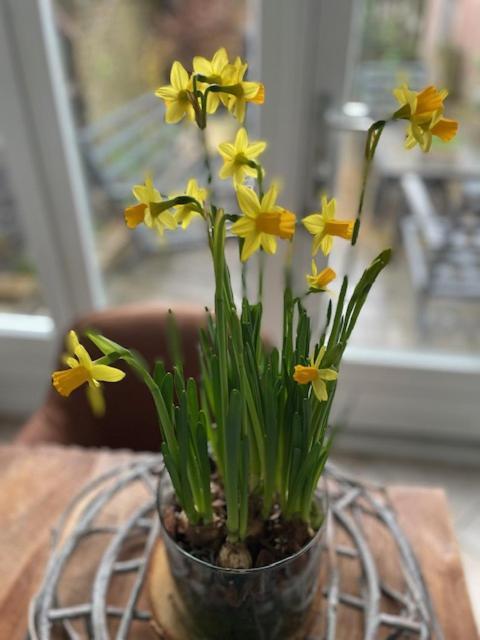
(130, 420)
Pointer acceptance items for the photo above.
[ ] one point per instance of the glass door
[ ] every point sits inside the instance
(413, 367)
(114, 56)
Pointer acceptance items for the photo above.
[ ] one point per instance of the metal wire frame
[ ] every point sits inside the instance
(350, 500)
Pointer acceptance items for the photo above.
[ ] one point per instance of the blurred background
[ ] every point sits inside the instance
(79, 125)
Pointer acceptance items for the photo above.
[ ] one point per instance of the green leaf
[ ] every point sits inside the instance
(232, 463)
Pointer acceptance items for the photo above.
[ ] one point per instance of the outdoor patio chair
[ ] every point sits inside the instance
(443, 252)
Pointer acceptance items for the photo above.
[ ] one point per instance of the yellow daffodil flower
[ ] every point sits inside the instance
(236, 157)
(185, 213)
(177, 95)
(263, 221)
(146, 194)
(324, 227)
(424, 110)
(241, 91)
(82, 369)
(319, 281)
(215, 72)
(313, 374)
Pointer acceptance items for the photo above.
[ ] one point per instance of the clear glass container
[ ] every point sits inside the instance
(265, 603)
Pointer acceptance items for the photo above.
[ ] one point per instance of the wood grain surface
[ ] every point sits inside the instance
(37, 483)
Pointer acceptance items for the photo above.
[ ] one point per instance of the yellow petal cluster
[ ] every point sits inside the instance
(324, 227)
(177, 95)
(82, 369)
(146, 194)
(185, 213)
(215, 70)
(320, 280)
(263, 221)
(186, 94)
(424, 111)
(314, 375)
(242, 91)
(239, 156)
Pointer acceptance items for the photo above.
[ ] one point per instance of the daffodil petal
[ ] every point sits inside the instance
(174, 112)
(316, 244)
(226, 150)
(251, 244)
(219, 60)
(255, 149)
(314, 223)
(226, 170)
(326, 245)
(239, 173)
(328, 374)
(72, 341)
(320, 389)
(239, 109)
(96, 400)
(248, 201)
(243, 226)
(166, 93)
(140, 192)
(168, 220)
(330, 208)
(213, 102)
(178, 76)
(202, 65)
(320, 355)
(83, 356)
(104, 373)
(270, 197)
(269, 243)
(241, 140)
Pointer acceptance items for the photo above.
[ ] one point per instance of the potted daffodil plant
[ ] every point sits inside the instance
(242, 516)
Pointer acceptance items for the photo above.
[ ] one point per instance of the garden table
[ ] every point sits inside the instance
(37, 483)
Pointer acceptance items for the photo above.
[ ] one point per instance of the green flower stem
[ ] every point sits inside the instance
(112, 349)
(220, 319)
(206, 155)
(243, 274)
(261, 271)
(373, 138)
(238, 355)
(159, 207)
(244, 489)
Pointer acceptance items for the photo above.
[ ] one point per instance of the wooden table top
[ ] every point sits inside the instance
(37, 483)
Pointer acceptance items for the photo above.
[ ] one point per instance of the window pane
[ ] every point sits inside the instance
(19, 288)
(426, 206)
(115, 55)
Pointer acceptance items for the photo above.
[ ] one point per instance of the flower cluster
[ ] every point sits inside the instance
(263, 416)
(212, 83)
(82, 369)
(261, 221)
(424, 112)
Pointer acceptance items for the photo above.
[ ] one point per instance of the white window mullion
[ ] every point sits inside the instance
(47, 182)
(44, 160)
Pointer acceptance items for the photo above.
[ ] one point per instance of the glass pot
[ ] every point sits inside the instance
(265, 603)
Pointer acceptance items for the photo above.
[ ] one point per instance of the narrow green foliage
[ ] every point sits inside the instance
(266, 430)
(233, 465)
(174, 341)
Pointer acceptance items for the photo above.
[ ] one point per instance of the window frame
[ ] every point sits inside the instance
(36, 123)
